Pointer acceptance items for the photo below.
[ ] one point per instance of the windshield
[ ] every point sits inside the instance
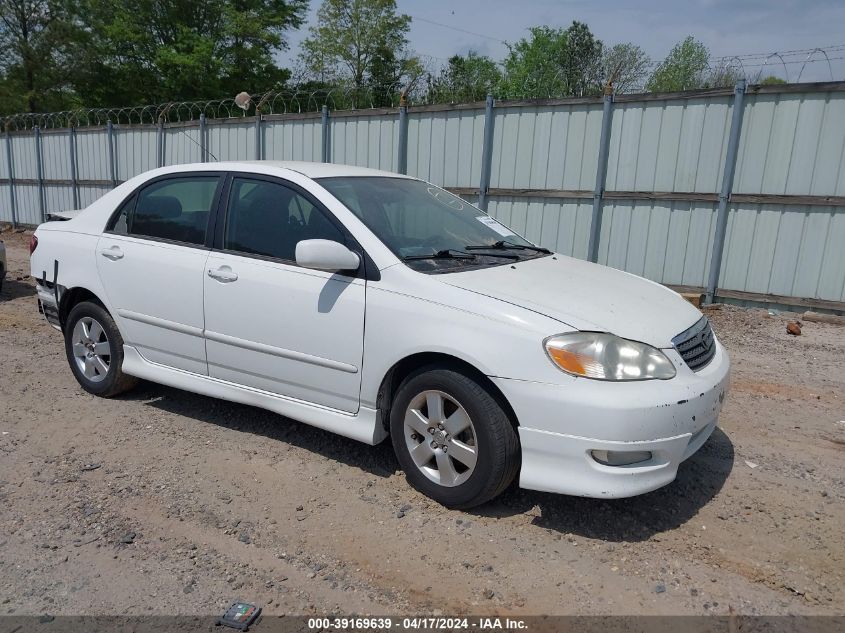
(416, 220)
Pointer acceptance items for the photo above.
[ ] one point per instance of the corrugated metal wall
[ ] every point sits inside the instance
(293, 139)
(444, 147)
(791, 144)
(366, 141)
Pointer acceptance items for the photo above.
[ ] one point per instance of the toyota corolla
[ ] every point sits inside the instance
(370, 305)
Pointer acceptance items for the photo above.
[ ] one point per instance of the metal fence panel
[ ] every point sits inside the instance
(88, 194)
(5, 202)
(228, 140)
(92, 154)
(28, 209)
(55, 153)
(367, 141)
(527, 150)
(23, 156)
(135, 150)
(668, 242)
(182, 145)
(445, 147)
(792, 252)
(668, 145)
(792, 144)
(293, 139)
(57, 198)
(829, 168)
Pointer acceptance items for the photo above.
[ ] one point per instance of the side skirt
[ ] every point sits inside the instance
(363, 426)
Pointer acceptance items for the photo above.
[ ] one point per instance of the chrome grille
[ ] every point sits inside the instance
(696, 345)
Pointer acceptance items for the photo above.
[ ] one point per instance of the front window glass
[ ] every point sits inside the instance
(415, 219)
(269, 219)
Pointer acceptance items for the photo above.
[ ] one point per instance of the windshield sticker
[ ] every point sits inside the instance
(501, 229)
(444, 197)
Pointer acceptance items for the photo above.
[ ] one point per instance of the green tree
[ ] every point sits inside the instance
(34, 64)
(771, 80)
(554, 62)
(723, 75)
(626, 65)
(465, 78)
(142, 51)
(685, 68)
(363, 43)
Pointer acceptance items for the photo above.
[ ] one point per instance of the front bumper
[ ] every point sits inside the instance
(561, 426)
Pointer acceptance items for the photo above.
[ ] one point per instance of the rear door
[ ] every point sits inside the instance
(151, 260)
(270, 324)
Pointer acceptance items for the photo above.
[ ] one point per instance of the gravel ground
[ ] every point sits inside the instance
(162, 501)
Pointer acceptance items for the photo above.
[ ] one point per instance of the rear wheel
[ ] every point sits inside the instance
(452, 438)
(94, 350)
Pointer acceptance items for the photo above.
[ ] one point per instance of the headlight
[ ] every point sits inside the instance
(607, 357)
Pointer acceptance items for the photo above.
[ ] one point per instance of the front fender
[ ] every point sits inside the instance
(498, 339)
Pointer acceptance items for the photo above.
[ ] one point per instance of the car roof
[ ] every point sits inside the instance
(103, 207)
(308, 169)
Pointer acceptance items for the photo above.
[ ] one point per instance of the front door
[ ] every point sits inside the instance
(151, 261)
(270, 324)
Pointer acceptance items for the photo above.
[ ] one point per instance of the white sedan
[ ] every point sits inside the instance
(371, 304)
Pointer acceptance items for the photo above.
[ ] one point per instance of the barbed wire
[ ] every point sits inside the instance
(274, 102)
(435, 86)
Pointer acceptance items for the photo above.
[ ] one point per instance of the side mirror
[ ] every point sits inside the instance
(326, 255)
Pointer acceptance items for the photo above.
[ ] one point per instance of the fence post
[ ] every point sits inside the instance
(325, 140)
(39, 170)
(74, 184)
(725, 193)
(601, 175)
(110, 141)
(12, 199)
(402, 157)
(259, 154)
(160, 144)
(486, 155)
(203, 144)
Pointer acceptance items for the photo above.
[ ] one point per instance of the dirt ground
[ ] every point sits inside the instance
(162, 501)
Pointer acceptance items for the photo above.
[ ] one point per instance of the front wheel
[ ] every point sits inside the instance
(94, 351)
(452, 438)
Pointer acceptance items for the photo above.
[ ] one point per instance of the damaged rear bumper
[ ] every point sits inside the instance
(49, 299)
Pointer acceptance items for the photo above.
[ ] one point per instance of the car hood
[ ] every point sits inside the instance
(586, 297)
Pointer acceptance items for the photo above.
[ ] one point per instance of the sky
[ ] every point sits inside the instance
(727, 27)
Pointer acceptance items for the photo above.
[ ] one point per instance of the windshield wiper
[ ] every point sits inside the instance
(446, 253)
(503, 245)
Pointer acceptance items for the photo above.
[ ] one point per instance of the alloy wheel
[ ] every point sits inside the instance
(440, 437)
(91, 349)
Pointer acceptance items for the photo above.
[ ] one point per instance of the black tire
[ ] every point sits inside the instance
(497, 443)
(114, 381)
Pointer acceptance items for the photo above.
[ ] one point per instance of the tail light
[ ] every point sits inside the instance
(33, 244)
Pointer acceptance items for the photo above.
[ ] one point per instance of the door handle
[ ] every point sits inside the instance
(223, 274)
(114, 253)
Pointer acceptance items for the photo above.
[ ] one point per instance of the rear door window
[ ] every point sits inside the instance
(175, 209)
